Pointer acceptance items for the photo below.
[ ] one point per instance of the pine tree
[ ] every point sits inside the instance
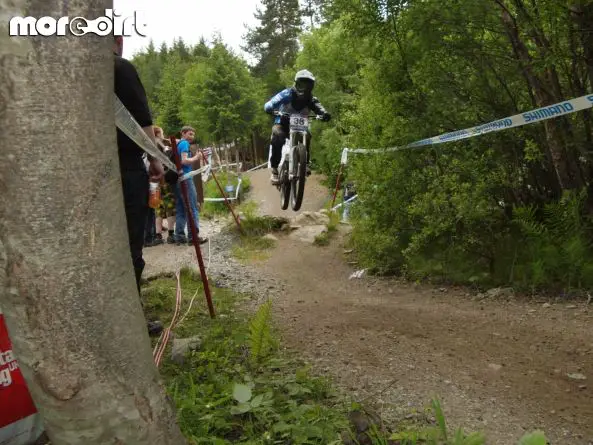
(181, 49)
(219, 96)
(169, 94)
(274, 42)
(200, 50)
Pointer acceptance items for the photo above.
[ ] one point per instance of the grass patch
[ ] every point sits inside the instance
(212, 209)
(251, 245)
(248, 208)
(252, 249)
(238, 387)
(322, 239)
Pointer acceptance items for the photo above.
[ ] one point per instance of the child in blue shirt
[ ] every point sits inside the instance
(187, 136)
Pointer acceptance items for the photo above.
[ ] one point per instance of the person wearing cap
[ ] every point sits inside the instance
(297, 99)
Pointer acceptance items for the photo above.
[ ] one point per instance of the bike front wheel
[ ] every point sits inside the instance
(300, 174)
(284, 187)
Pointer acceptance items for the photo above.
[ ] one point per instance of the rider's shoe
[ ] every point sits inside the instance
(274, 178)
(308, 173)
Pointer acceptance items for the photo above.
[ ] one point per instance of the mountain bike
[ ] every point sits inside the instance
(292, 169)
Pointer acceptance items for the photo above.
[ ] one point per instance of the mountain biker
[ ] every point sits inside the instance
(297, 99)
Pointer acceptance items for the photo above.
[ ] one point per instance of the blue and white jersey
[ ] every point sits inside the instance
(287, 102)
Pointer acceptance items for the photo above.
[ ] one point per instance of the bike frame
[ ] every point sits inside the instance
(297, 133)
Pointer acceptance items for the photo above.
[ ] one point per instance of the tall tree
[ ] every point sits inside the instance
(150, 68)
(200, 50)
(313, 10)
(180, 48)
(66, 281)
(169, 94)
(219, 96)
(274, 42)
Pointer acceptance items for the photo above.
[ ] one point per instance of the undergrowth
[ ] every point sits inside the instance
(460, 239)
(239, 387)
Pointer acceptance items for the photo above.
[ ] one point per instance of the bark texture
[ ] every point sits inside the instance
(66, 280)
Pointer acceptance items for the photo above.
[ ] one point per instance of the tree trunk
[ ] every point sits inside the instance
(237, 156)
(217, 154)
(254, 145)
(66, 279)
(582, 15)
(564, 161)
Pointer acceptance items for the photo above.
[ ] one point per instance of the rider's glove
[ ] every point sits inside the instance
(326, 117)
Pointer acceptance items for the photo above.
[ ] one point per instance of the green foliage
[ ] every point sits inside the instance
(169, 95)
(219, 96)
(236, 388)
(261, 340)
(558, 248)
(322, 239)
(250, 249)
(535, 438)
(440, 435)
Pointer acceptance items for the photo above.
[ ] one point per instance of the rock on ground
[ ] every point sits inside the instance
(181, 346)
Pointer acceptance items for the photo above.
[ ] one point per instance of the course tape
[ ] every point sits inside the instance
(193, 173)
(257, 167)
(518, 120)
(126, 123)
(345, 202)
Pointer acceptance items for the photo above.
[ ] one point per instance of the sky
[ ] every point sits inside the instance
(190, 19)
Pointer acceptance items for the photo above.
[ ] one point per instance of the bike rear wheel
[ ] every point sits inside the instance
(300, 174)
(284, 186)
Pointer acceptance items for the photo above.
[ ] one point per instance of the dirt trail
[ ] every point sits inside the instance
(268, 197)
(500, 367)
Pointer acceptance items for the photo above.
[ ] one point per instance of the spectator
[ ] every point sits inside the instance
(150, 238)
(167, 208)
(183, 147)
(130, 91)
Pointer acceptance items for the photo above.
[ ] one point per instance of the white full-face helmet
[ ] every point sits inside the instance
(304, 81)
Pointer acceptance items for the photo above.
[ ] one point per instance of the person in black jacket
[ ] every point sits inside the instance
(130, 91)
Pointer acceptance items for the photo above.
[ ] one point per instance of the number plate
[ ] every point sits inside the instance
(299, 123)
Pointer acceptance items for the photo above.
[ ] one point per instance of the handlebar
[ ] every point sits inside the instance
(311, 116)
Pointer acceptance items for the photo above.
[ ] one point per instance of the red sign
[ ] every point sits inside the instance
(15, 395)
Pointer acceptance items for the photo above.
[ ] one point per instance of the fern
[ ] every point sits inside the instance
(261, 340)
(558, 245)
(564, 217)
